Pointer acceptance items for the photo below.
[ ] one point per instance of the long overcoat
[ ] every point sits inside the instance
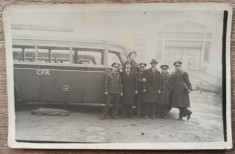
(130, 85)
(180, 86)
(134, 66)
(165, 88)
(152, 86)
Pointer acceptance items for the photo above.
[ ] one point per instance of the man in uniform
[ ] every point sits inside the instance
(140, 78)
(165, 87)
(181, 87)
(130, 89)
(151, 89)
(134, 65)
(113, 90)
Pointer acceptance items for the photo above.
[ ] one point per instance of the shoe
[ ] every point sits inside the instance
(122, 117)
(146, 117)
(158, 116)
(180, 118)
(132, 116)
(102, 118)
(164, 117)
(153, 117)
(189, 116)
(114, 117)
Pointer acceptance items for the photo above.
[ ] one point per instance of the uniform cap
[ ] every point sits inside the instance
(115, 64)
(164, 66)
(142, 64)
(177, 63)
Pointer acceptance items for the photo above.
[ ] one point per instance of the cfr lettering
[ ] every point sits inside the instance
(43, 72)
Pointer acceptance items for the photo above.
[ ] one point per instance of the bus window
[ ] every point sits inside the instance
(60, 56)
(89, 57)
(43, 55)
(29, 55)
(113, 57)
(17, 54)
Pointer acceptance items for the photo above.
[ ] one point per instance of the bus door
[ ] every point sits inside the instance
(92, 62)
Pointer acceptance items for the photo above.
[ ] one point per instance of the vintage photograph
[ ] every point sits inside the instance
(136, 73)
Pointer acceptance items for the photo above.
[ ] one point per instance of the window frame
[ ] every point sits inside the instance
(116, 53)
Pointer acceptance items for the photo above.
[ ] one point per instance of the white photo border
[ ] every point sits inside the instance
(12, 143)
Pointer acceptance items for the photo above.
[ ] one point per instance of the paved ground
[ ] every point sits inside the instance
(83, 125)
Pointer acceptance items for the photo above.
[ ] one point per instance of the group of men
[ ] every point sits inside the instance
(150, 91)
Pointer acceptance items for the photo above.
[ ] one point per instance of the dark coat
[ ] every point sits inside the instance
(134, 66)
(180, 86)
(152, 85)
(113, 84)
(140, 76)
(165, 88)
(130, 85)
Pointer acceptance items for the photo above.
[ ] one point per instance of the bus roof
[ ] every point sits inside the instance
(31, 42)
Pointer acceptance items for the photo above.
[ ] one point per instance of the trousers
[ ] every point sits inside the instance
(184, 112)
(111, 99)
(127, 109)
(150, 109)
(140, 106)
(162, 109)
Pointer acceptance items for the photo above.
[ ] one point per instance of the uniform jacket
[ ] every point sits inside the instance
(130, 85)
(152, 85)
(180, 86)
(140, 76)
(165, 88)
(113, 84)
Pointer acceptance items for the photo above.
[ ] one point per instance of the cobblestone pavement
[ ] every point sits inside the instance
(83, 125)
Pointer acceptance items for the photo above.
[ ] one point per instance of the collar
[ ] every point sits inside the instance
(181, 72)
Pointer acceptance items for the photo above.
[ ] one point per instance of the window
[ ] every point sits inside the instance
(207, 51)
(30, 55)
(24, 53)
(43, 55)
(113, 57)
(208, 35)
(17, 54)
(60, 56)
(139, 47)
(88, 56)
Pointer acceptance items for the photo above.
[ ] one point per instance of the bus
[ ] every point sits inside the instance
(62, 72)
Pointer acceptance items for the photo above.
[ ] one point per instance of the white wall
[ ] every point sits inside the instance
(124, 28)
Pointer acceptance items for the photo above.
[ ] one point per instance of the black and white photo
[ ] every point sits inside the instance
(119, 76)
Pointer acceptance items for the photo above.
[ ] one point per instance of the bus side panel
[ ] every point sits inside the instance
(26, 82)
(63, 86)
(95, 87)
(60, 86)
